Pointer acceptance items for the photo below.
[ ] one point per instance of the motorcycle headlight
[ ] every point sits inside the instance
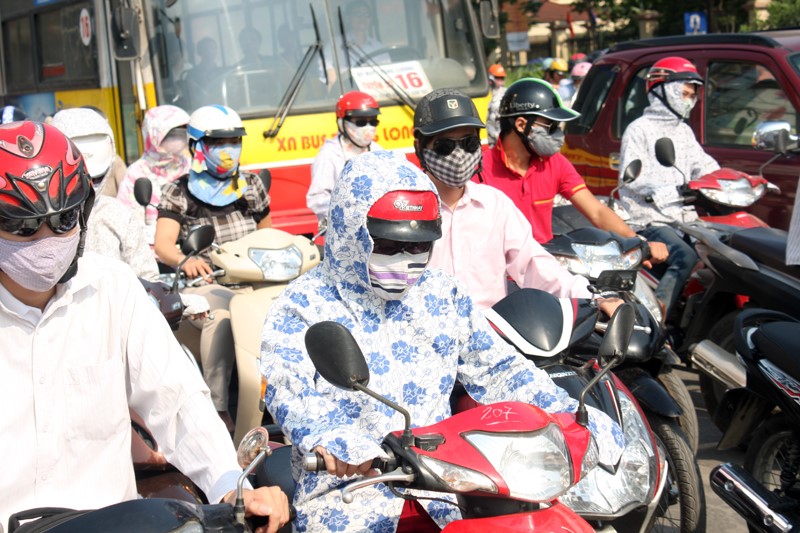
(458, 478)
(735, 193)
(592, 259)
(282, 264)
(536, 466)
(648, 299)
(602, 494)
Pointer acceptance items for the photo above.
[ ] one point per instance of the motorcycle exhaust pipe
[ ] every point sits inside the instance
(749, 498)
(719, 363)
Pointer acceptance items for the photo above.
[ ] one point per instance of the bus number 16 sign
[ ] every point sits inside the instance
(408, 75)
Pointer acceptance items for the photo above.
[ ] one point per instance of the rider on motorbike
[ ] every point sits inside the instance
(484, 236)
(419, 331)
(236, 203)
(356, 119)
(83, 344)
(653, 199)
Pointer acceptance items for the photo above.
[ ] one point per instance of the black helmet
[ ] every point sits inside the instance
(442, 110)
(531, 96)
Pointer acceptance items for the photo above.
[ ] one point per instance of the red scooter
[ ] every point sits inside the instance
(507, 463)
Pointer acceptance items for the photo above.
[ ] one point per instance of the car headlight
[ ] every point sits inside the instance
(647, 297)
(458, 478)
(536, 466)
(593, 259)
(282, 264)
(735, 193)
(602, 494)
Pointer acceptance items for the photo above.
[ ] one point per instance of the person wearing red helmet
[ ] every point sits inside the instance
(357, 121)
(672, 85)
(83, 344)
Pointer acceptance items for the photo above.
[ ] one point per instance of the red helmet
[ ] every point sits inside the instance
(405, 216)
(41, 172)
(357, 104)
(497, 71)
(672, 69)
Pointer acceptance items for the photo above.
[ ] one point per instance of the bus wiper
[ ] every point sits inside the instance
(297, 80)
(376, 68)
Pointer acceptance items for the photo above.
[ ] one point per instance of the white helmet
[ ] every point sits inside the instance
(92, 134)
(215, 121)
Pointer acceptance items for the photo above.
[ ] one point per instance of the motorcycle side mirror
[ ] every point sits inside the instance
(610, 353)
(253, 449)
(773, 135)
(143, 191)
(665, 152)
(615, 280)
(339, 360)
(632, 171)
(198, 240)
(336, 355)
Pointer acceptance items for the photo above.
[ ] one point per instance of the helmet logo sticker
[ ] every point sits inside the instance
(37, 173)
(452, 103)
(403, 205)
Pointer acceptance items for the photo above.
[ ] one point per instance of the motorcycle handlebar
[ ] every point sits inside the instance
(314, 462)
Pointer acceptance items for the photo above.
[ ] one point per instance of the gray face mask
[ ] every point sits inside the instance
(545, 144)
(38, 265)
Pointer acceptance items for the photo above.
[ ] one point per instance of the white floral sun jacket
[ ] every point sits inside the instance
(416, 349)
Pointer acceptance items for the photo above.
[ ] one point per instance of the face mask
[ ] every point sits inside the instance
(38, 265)
(220, 161)
(361, 137)
(175, 142)
(455, 169)
(545, 144)
(391, 276)
(680, 106)
(215, 191)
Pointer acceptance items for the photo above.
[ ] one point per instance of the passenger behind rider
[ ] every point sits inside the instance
(236, 203)
(114, 230)
(356, 120)
(82, 343)
(164, 160)
(527, 166)
(653, 199)
(418, 329)
(485, 238)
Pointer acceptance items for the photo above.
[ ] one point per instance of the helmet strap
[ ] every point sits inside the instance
(523, 136)
(83, 218)
(663, 97)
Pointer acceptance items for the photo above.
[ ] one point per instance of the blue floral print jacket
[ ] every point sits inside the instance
(416, 349)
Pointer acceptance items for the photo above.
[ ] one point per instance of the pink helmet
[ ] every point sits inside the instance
(581, 69)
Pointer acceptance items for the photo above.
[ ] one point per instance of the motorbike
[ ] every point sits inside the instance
(470, 454)
(158, 514)
(766, 492)
(558, 334)
(266, 260)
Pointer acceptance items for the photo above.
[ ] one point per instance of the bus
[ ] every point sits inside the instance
(281, 64)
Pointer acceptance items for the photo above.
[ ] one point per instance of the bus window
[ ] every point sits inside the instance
(18, 66)
(207, 51)
(65, 55)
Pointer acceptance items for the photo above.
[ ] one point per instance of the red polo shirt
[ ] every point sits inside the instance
(534, 192)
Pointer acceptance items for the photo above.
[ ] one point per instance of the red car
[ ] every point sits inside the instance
(749, 78)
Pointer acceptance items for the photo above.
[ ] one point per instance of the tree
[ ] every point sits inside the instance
(783, 14)
(529, 7)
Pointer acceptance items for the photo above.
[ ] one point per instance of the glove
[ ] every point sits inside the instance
(194, 304)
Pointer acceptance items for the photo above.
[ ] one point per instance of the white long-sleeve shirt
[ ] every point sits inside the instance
(486, 238)
(68, 376)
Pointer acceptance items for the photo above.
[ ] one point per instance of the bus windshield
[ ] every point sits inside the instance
(244, 53)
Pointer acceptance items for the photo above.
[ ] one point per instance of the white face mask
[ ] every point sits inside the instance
(361, 137)
(391, 276)
(38, 265)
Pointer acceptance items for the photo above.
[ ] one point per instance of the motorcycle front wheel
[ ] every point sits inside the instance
(688, 420)
(682, 505)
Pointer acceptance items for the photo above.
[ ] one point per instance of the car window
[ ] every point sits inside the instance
(634, 100)
(739, 95)
(591, 98)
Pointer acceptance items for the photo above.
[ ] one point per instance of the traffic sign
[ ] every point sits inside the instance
(695, 22)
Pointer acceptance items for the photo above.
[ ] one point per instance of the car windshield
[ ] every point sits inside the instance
(245, 53)
(591, 98)
(794, 60)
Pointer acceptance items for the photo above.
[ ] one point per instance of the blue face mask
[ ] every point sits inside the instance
(214, 169)
(219, 161)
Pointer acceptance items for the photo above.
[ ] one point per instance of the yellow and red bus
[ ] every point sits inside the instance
(281, 64)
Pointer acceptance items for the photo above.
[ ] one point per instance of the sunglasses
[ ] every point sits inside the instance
(361, 122)
(470, 143)
(551, 128)
(60, 223)
(388, 247)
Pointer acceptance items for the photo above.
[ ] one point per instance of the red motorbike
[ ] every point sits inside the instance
(507, 463)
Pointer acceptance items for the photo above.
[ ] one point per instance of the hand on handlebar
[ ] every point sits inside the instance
(339, 468)
(658, 253)
(264, 501)
(196, 267)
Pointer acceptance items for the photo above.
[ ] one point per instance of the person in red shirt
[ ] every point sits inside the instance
(527, 165)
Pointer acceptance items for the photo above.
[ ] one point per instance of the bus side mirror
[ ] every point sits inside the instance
(490, 19)
(125, 33)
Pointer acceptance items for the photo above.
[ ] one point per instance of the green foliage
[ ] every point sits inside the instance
(526, 71)
(783, 14)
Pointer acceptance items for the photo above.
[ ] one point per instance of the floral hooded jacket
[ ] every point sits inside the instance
(416, 348)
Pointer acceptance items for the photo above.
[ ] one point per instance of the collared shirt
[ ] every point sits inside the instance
(69, 375)
(534, 192)
(486, 238)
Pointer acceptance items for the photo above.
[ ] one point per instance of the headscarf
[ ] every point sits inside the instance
(158, 121)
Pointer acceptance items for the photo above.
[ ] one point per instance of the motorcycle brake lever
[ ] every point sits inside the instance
(602, 326)
(393, 476)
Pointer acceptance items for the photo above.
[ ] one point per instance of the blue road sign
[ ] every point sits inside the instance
(695, 22)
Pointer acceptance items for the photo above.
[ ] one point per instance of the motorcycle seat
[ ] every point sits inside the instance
(766, 246)
(780, 343)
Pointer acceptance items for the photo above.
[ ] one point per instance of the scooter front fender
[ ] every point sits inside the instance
(650, 394)
(556, 518)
